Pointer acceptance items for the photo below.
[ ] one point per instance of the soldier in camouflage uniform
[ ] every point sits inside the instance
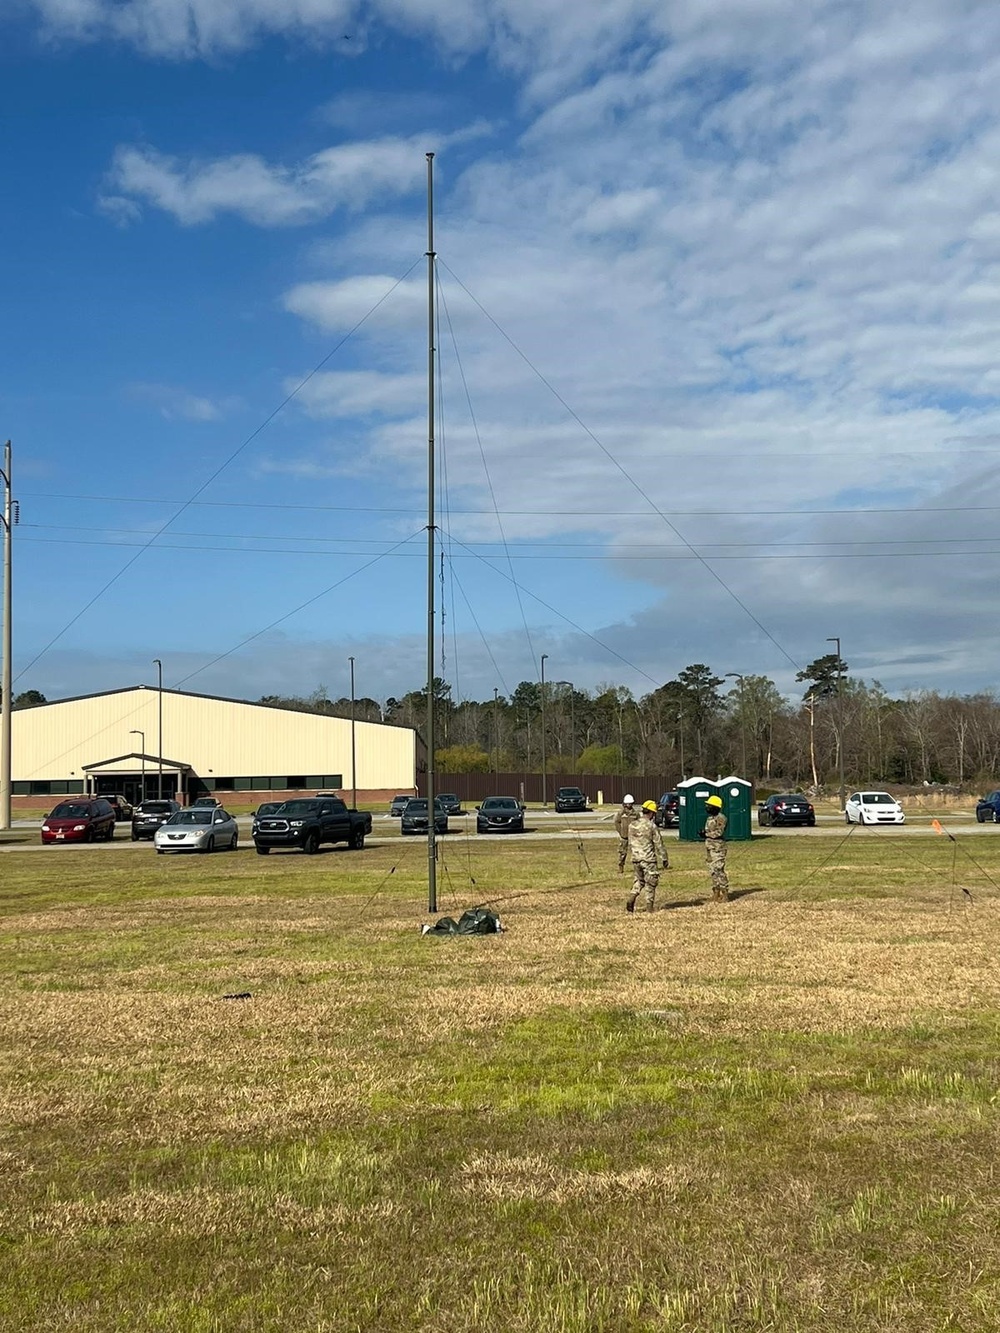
(625, 816)
(645, 845)
(716, 848)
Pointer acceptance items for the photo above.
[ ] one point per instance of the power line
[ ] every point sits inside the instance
(527, 513)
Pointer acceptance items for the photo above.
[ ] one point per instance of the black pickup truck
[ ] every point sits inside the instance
(305, 822)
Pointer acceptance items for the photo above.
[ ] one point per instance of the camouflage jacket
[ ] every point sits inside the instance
(625, 816)
(715, 827)
(644, 841)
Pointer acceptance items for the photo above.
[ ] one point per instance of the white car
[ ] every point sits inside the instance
(873, 807)
(200, 828)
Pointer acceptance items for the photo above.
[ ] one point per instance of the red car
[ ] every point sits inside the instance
(80, 819)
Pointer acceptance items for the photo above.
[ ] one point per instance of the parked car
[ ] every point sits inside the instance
(873, 807)
(988, 808)
(787, 809)
(200, 828)
(449, 803)
(80, 819)
(667, 809)
(397, 805)
(304, 822)
(265, 808)
(415, 818)
(149, 815)
(120, 806)
(570, 800)
(500, 814)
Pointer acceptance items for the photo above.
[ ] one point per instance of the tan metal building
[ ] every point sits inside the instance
(147, 741)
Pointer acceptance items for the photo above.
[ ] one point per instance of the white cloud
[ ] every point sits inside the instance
(172, 402)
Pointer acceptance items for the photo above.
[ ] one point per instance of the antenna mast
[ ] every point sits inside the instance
(431, 831)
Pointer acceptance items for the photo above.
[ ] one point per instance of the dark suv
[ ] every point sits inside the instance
(988, 809)
(569, 800)
(80, 819)
(667, 808)
(149, 815)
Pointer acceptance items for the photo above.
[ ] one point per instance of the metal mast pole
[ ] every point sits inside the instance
(6, 675)
(354, 763)
(159, 744)
(431, 831)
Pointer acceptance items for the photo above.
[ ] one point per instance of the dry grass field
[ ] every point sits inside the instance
(780, 1114)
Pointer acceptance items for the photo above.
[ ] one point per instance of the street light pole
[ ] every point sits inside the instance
(680, 729)
(840, 720)
(743, 719)
(159, 744)
(142, 740)
(354, 769)
(544, 660)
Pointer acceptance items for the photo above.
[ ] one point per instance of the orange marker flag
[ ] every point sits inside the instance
(936, 826)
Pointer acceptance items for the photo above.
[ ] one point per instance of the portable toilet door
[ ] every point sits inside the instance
(691, 812)
(737, 798)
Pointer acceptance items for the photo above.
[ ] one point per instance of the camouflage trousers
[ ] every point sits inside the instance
(622, 852)
(645, 878)
(715, 853)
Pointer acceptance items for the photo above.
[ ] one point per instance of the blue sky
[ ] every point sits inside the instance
(719, 360)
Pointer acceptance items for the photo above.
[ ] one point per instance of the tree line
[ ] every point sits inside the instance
(703, 723)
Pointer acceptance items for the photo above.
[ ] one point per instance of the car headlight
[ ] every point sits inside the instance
(46, 829)
(79, 828)
(296, 823)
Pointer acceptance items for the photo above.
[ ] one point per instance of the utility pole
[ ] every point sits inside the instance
(743, 720)
(10, 515)
(354, 768)
(840, 721)
(159, 744)
(496, 732)
(544, 801)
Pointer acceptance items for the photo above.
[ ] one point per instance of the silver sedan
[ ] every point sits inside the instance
(197, 829)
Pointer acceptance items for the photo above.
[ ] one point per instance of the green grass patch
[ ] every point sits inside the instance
(781, 1114)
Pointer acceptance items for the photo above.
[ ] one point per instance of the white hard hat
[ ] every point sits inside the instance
(628, 800)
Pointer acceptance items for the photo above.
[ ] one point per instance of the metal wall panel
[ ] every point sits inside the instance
(215, 737)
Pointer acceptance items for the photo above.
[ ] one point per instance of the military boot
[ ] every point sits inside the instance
(630, 902)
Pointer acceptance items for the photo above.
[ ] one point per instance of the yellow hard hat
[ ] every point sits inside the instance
(715, 802)
(649, 805)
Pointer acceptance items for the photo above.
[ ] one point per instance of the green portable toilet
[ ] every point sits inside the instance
(691, 812)
(737, 799)
(736, 794)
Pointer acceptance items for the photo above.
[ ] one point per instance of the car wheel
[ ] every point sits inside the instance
(233, 841)
(262, 851)
(847, 818)
(811, 823)
(210, 845)
(311, 844)
(135, 837)
(980, 817)
(357, 840)
(159, 851)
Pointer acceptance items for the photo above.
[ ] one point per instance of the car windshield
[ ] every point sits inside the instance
(155, 808)
(500, 803)
(668, 797)
(191, 816)
(296, 809)
(71, 810)
(416, 807)
(781, 800)
(570, 791)
(877, 798)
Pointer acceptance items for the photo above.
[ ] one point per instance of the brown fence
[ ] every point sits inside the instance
(471, 788)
